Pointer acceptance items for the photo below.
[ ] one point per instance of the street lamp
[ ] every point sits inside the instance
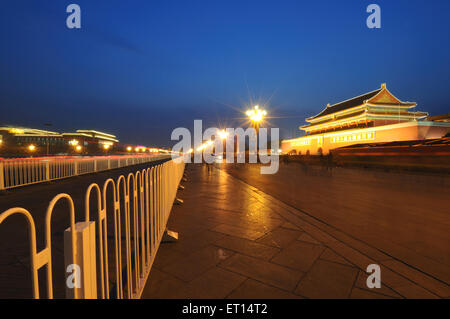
(106, 147)
(75, 144)
(31, 148)
(223, 135)
(256, 116)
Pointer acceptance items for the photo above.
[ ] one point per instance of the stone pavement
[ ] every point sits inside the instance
(238, 242)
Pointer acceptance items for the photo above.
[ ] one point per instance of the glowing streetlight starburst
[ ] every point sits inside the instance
(223, 134)
(73, 142)
(256, 115)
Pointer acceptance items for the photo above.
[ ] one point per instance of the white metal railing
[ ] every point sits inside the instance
(149, 194)
(25, 171)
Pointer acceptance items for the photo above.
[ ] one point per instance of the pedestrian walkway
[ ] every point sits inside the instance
(238, 242)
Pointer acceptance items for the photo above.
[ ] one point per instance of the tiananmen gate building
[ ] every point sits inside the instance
(377, 116)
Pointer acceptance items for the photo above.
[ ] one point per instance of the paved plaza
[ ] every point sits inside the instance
(238, 242)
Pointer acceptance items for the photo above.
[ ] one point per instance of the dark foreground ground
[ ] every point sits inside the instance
(243, 240)
(403, 214)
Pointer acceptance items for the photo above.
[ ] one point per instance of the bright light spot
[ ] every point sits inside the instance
(256, 115)
(31, 147)
(204, 145)
(16, 131)
(78, 148)
(106, 146)
(129, 148)
(223, 134)
(73, 142)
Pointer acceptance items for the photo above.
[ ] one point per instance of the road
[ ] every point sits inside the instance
(405, 215)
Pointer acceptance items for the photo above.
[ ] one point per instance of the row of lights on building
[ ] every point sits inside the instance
(145, 149)
(78, 147)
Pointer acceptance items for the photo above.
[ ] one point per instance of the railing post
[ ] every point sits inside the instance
(75, 168)
(47, 171)
(2, 177)
(95, 165)
(83, 268)
(109, 163)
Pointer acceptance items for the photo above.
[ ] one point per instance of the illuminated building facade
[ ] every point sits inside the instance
(15, 139)
(21, 136)
(377, 116)
(92, 139)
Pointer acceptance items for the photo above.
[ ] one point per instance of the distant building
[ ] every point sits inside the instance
(92, 139)
(440, 118)
(22, 136)
(377, 116)
(15, 139)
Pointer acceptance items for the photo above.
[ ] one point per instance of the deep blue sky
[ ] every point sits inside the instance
(141, 68)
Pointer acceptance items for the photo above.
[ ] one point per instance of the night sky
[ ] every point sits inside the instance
(139, 69)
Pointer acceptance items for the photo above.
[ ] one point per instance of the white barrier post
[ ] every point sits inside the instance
(2, 177)
(85, 259)
(47, 171)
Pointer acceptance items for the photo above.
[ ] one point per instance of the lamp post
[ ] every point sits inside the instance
(75, 144)
(31, 149)
(223, 136)
(256, 116)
